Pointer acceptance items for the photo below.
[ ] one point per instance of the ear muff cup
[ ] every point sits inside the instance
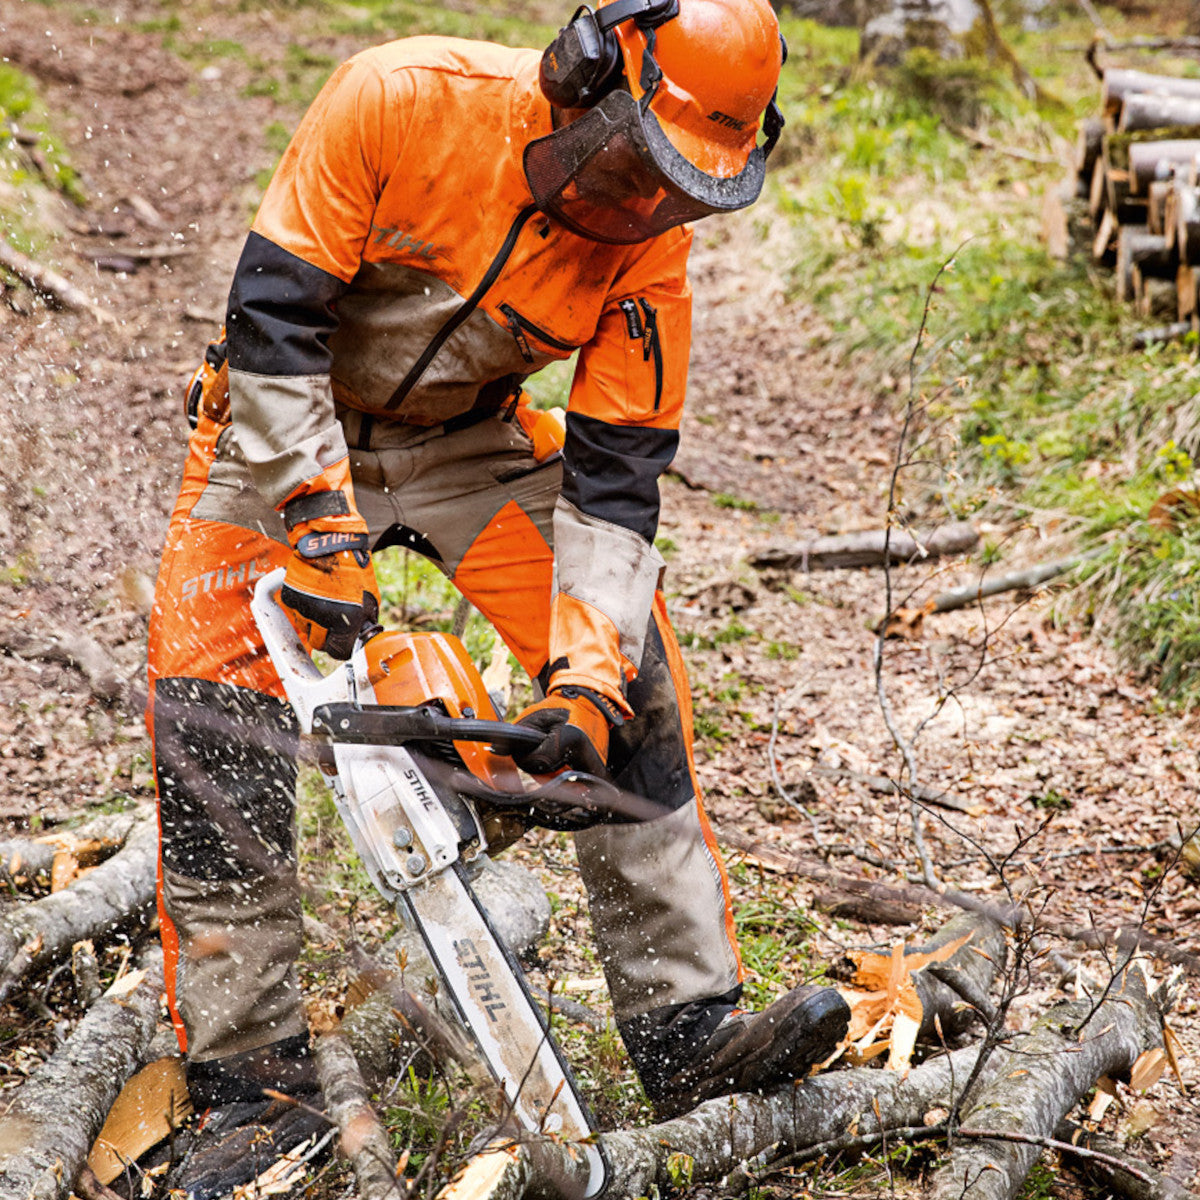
(582, 63)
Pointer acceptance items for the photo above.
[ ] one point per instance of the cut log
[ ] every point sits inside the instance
(872, 548)
(1158, 110)
(1106, 229)
(722, 1135)
(48, 1129)
(48, 283)
(1098, 189)
(1185, 220)
(1037, 1079)
(1150, 161)
(361, 1136)
(1185, 295)
(32, 857)
(118, 893)
(994, 585)
(83, 653)
(1120, 84)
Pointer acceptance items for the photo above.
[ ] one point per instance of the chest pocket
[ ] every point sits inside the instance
(644, 355)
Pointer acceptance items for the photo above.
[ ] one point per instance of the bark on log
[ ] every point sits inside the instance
(1151, 110)
(118, 892)
(1185, 213)
(1120, 84)
(954, 993)
(722, 1135)
(47, 1131)
(33, 857)
(1038, 1078)
(871, 548)
(1087, 151)
(362, 1138)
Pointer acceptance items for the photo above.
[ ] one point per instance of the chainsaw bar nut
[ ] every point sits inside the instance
(402, 837)
(415, 864)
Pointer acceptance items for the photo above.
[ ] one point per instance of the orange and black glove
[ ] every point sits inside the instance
(576, 722)
(330, 583)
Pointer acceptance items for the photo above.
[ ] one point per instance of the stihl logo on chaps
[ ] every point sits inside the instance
(397, 239)
(223, 578)
(478, 977)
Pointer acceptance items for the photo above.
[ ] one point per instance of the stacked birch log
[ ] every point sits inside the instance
(1138, 168)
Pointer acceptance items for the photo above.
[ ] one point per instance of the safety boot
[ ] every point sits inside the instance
(745, 1052)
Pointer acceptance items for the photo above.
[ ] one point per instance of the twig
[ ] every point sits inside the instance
(880, 783)
(979, 138)
(1030, 577)
(49, 283)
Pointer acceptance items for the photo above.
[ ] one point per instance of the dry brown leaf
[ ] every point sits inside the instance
(1174, 508)
(1147, 1069)
(150, 1105)
(906, 623)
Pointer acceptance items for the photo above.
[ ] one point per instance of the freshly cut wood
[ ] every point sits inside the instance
(117, 893)
(1149, 161)
(362, 1137)
(1158, 110)
(1185, 222)
(1185, 295)
(871, 548)
(152, 1104)
(1105, 230)
(1038, 1078)
(1156, 205)
(1098, 189)
(51, 1124)
(1120, 83)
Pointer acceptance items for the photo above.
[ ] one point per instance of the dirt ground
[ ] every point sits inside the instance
(1022, 718)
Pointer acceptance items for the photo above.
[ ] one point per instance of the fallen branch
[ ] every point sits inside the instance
(79, 651)
(48, 283)
(1027, 579)
(1036, 1080)
(32, 858)
(871, 548)
(119, 891)
(880, 783)
(1127, 938)
(362, 1138)
(47, 1131)
(1125, 1174)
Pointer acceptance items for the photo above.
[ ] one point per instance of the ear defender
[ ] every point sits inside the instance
(583, 63)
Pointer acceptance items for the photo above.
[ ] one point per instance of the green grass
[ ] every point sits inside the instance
(1030, 404)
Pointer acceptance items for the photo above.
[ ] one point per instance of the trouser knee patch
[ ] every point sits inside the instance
(225, 763)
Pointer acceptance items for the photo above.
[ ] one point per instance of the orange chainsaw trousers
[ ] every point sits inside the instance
(477, 500)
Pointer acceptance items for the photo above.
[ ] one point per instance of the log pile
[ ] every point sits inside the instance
(1137, 176)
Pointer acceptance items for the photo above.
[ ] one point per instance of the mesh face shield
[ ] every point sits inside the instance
(612, 176)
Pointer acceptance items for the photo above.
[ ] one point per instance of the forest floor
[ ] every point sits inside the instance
(1061, 760)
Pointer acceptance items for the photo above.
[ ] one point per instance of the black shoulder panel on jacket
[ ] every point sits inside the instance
(611, 471)
(280, 315)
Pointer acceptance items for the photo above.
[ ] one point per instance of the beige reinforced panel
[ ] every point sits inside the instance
(611, 568)
(230, 495)
(658, 911)
(238, 942)
(385, 323)
(286, 429)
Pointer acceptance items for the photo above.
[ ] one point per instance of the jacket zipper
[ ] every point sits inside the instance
(468, 306)
(644, 327)
(519, 326)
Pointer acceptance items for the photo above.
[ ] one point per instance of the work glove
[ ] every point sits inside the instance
(576, 722)
(330, 583)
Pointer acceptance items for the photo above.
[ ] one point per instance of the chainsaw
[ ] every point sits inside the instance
(410, 741)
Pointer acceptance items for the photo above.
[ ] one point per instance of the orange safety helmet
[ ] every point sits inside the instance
(674, 92)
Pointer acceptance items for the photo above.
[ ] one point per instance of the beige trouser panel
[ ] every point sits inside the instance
(239, 939)
(657, 903)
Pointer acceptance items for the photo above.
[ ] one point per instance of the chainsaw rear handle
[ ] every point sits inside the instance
(397, 725)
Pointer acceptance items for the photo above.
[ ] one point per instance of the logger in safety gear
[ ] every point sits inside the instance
(392, 296)
(664, 105)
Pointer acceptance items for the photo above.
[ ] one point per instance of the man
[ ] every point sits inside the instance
(450, 217)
